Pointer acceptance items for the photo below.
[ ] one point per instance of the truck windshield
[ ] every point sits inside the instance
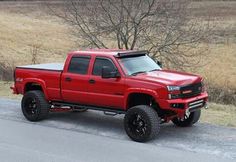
(138, 64)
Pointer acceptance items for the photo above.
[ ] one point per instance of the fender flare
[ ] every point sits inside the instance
(38, 81)
(150, 92)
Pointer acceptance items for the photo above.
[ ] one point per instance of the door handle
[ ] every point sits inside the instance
(92, 81)
(68, 79)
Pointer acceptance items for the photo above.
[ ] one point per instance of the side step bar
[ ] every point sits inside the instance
(107, 111)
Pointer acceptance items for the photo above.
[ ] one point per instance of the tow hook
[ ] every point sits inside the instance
(187, 113)
(206, 106)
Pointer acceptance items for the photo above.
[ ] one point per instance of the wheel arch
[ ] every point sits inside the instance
(34, 84)
(140, 96)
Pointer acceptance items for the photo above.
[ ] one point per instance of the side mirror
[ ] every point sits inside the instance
(159, 63)
(109, 73)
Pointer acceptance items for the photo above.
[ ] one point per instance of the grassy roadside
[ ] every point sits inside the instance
(218, 114)
(6, 92)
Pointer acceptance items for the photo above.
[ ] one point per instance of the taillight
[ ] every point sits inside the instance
(14, 75)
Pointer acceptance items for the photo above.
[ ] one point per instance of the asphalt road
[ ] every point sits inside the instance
(92, 136)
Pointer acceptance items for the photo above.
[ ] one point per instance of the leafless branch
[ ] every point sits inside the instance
(164, 27)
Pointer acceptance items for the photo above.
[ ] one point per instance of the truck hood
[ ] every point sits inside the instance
(168, 77)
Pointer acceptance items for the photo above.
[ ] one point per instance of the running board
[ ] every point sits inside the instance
(107, 111)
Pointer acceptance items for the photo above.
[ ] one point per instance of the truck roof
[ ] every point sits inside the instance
(114, 52)
(119, 53)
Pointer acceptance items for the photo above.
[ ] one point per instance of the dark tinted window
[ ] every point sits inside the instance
(138, 64)
(99, 63)
(79, 65)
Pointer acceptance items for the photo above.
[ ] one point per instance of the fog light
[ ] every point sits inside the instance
(177, 105)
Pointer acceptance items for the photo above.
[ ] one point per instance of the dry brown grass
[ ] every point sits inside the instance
(6, 92)
(219, 114)
(220, 68)
(18, 32)
(215, 8)
(25, 23)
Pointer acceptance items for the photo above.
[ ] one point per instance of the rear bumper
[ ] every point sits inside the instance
(13, 88)
(188, 104)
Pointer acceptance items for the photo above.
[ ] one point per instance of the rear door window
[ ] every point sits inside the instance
(79, 65)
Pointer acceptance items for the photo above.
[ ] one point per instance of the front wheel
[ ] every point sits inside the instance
(142, 123)
(188, 121)
(34, 106)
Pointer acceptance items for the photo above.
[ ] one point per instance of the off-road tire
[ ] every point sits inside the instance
(34, 106)
(150, 120)
(188, 122)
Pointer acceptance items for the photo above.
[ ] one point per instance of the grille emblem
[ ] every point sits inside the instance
(187, 91)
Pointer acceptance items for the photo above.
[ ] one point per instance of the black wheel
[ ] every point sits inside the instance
(188, 121)
(34, 106)
(142, 123)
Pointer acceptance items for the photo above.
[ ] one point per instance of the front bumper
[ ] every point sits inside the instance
(184, 105)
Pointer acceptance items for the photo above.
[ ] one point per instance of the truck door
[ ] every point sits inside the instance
(74, 81)
(105, 92)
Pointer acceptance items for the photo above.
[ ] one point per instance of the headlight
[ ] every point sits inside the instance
(174, 92)
(173, 88)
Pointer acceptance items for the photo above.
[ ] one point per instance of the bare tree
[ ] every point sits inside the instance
(6, 69)
(163, 27)
(34, 51)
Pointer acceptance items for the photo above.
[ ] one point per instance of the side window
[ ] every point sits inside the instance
(99, 63)
(79, 65)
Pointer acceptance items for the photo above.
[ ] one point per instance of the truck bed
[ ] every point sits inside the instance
(51, 66)
(47, 74)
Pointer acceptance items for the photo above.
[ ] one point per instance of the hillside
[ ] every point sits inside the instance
(26, 27)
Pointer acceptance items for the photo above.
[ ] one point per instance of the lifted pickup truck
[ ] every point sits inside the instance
(116, 82)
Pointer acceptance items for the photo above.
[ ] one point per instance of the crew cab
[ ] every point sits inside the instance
(114, 81)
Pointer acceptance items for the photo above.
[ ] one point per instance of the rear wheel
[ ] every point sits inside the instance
(142, 123)
(34, 106)
(188, 121)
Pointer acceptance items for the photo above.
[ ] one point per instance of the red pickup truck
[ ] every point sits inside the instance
(116, 82)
